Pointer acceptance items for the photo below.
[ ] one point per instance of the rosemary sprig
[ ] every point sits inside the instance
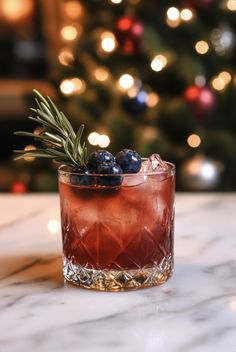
(59, 140)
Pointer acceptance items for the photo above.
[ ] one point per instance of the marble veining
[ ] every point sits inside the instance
(195, 311)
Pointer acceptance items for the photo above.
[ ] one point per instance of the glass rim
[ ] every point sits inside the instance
(62, 171)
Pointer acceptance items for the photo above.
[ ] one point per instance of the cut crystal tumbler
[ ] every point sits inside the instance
(118, 238)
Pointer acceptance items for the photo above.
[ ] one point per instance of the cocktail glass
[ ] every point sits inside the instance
(118, 238)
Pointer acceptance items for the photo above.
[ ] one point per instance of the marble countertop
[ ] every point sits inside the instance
(195, 311)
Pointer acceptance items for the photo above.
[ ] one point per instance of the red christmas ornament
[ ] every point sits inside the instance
(18, 187)
(191, 94)
(201, 99)
(124, 24)
(129, 32)
(137, 29)
(128, 46)
(206, 100)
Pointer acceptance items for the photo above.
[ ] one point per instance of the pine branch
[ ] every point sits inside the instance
(61, 142)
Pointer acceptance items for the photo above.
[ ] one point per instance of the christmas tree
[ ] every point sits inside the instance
(158, 77)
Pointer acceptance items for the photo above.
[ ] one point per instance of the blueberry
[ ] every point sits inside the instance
(85, 179)
(129, 160)
(99, 157)
(109, 169)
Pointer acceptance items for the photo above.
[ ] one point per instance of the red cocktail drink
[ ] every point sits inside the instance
(118, 238)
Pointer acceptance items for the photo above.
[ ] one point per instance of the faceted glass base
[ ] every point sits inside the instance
(118, 280)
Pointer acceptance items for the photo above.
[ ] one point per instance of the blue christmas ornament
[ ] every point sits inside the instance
(135, 105)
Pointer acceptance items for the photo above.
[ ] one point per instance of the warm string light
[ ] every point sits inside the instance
(66, 87)
(218, 83)
(150, 133)
(231, 5)
(126, 81)
(194, 141)
(174, 16)
(66, 57)
(152, 99)
(28, 148)
(38, 130)
(201, 47)
(102, 140)
(158, 63)
(69, 33)
(16, 10)
(173, 13)
(108, 42)
(226, 76)
(221, 81)
(72, 86)
(173, 23)
(133, 88)
(116, 1)
(186, 15)
(93, 138)
(78, 85)
(101, 74)
(73, 9)
(133, 91)
(205, 168)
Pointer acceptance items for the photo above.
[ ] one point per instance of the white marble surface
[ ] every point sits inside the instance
(194, 312)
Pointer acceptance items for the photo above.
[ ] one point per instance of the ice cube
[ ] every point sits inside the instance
(134, 180)
(154, 164)
(89, 215)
